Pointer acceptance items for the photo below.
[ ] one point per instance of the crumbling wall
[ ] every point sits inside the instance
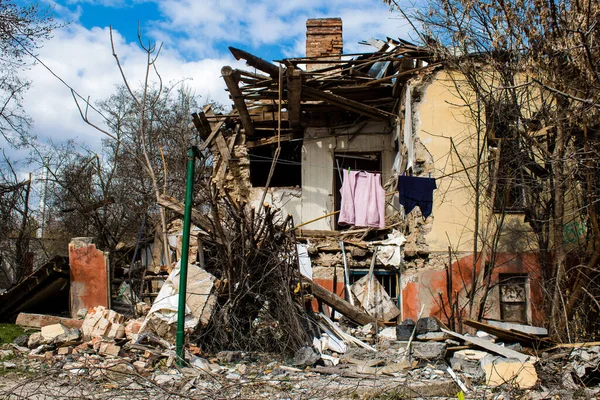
(89, 275)
(427, 287)
(237, 178)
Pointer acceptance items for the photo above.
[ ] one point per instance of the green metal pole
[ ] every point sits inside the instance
(185, 246)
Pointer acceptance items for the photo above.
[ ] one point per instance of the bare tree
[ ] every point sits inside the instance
(534, 67)
(22, 30)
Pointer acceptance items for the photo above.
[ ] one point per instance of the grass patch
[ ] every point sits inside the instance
(9, 332)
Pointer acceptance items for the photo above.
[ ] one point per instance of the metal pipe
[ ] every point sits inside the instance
(185, 247)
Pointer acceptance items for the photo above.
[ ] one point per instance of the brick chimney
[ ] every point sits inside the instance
(323, 39)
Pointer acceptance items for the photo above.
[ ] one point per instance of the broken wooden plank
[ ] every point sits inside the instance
(178, 207)
(273, 139)
(315, 233)
(341, 372)
(231, 80)
(294, 94)
(255, 62)
(509, 336)
(202, 125)
(210, 138)
(224, 160)
(339, 304)
(573, 345)
(345, 103)
(486, 344)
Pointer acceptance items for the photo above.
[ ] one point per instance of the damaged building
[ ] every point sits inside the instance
(383, 131)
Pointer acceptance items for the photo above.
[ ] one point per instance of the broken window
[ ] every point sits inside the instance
(513, 298)
(370, 162)
(388, 279)
(288, 170)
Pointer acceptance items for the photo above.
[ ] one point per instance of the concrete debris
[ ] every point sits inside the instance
(200, 302)
(405, 329)
(433, 336)
(515, 373)
(428, 350)
(40, 320)
(102, 322)
(426, 325)
(388, 333)
(374, 299)
(468, 361)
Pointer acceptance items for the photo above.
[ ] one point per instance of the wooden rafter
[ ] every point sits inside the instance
(256, 62)
(294, 95)
(231, 80)
(273, 139)
(345, 103)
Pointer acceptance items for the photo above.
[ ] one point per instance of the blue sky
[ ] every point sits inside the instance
(195, 34)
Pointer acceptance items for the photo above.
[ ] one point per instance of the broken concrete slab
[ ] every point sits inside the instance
(405, 329)
(527, 329)
(494, 348)
(468, 361)
(428, 350)
(40, 320)
(200, 302)
(426, 325)
(374, 299)
(500, 371)
(50, 332)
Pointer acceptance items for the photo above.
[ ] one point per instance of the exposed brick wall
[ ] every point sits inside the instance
(323, 39)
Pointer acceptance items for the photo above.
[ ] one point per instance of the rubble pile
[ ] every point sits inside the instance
(430, 361)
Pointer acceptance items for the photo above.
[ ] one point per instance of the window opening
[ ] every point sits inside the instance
(288, 170)
(513, 298)
(388, 279)
(369, 162)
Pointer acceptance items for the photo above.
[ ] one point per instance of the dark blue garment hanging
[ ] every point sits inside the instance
(416, 191)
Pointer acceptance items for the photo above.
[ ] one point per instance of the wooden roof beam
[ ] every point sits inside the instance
(256, 62)
(202, 125)
(231, 80)
(345, 103)
(294, 95)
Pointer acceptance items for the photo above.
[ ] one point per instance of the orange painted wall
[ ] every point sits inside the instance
(425, 287)
(89, 276)
(328, 284)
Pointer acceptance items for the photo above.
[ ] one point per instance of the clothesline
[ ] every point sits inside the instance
(329, 215)
(298, 163)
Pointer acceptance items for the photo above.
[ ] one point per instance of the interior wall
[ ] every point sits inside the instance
(318, 172)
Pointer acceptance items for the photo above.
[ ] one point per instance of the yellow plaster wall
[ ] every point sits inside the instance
(445, 127)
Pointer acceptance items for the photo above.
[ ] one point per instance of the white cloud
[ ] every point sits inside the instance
(195, 34)
(83, 58)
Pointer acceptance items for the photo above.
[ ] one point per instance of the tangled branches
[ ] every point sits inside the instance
(256, 261)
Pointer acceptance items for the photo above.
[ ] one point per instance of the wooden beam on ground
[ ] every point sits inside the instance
(294, 94)
(486, 344)
(231, 81)
(345, 103)
(510, 336)
(339, 304)
(256, 62)
(273, 139)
